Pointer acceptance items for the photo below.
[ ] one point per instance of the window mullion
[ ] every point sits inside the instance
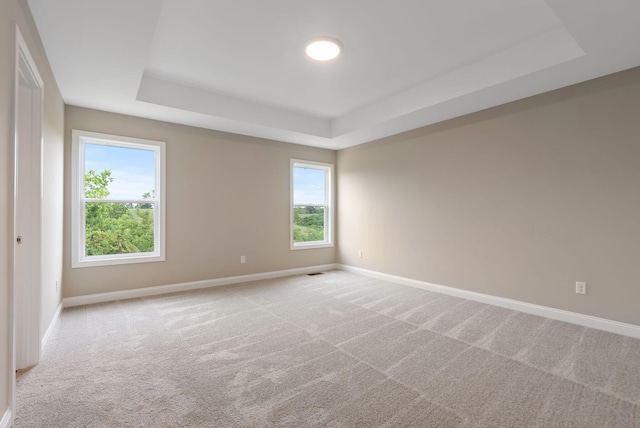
(122, 201)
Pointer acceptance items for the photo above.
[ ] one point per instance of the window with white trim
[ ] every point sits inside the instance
(118, 202)
(311, 204)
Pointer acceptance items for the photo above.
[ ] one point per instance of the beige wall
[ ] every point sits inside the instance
(53, 206)
(16, 11)
(518, 201)
(227, 196)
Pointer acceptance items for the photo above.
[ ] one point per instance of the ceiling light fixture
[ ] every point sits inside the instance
(323, 48)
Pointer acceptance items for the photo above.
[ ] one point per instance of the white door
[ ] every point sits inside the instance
(27, 230)
(27, 213)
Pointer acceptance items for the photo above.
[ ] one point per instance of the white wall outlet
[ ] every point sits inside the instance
(56, 285)
(581, 287)
(243, 259)
(360, 254)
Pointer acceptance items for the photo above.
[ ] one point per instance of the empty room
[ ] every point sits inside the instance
(319, 214)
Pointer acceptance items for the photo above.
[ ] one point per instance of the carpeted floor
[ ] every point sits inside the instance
(336, 350)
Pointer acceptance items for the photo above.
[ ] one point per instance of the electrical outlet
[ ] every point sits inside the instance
(243, 259)
(56, 285)
(581, 287)
(360, 254)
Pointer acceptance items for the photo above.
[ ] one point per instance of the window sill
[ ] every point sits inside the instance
(311, 246)
(117, 260)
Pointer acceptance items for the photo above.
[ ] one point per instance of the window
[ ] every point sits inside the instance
(118, 200)
(311, 205)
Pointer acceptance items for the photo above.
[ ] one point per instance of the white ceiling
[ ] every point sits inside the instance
(239, 65)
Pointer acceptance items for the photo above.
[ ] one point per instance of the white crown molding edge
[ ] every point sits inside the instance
(5, 422)
(604, 324)
(186, 286)
(52, 324)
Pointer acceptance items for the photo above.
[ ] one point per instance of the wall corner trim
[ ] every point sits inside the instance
(52, 324)
(6, 420)
(530, 308)
(186, 286)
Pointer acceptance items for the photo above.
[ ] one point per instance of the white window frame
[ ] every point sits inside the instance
(329, 211)
(78, 230)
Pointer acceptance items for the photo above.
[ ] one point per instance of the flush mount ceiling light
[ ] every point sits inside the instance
(323, 48)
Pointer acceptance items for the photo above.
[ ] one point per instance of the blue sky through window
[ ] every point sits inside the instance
(133, 170)
(308, 186)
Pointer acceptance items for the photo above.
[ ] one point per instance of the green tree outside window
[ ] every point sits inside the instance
(115, 227)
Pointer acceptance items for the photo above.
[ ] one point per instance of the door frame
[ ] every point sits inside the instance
(27, 299)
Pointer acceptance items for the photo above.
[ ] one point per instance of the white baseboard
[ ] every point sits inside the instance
(543, 311)
(52, 324)
(185, 286)
(6, 421)
(530, 308)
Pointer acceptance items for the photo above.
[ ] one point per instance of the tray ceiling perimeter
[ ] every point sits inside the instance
(239, 65)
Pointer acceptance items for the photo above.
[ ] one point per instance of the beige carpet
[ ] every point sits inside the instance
(336, 350)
